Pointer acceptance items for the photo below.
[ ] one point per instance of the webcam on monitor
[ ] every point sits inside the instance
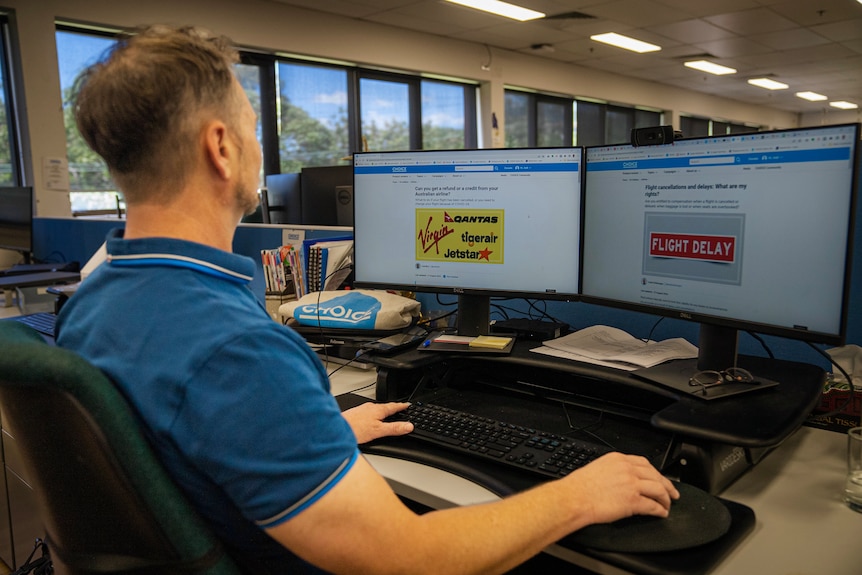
(654, 136)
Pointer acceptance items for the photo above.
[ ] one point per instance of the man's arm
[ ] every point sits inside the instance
(361, 526)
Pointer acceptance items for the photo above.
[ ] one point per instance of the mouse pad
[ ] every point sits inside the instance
(695, 518)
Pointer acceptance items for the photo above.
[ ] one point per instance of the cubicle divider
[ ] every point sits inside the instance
(77, 239)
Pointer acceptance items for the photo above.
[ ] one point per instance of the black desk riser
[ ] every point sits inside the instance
(38, 279)
(704, 443)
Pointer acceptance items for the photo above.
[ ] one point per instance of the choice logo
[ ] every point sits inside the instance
(353, 309)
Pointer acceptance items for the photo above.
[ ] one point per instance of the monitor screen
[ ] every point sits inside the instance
(748, 232)
(481, 223)
(16, 219)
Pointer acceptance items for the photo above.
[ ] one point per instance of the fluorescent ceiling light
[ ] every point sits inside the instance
(811, 96)
(768, 84)
(710, 67)
(625, 42)
(842, 104)
(501, 9)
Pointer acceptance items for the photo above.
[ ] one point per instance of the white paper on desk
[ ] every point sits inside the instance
(610, 344)
(545, 350)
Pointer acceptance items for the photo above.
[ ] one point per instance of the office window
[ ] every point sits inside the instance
(537, 120)
(517, 105)
(445, 111)
(249, 78)
(309, 114)
(385, 114)
(9, 151)
(91, 188)
(312, 115)
(601, 124)
(692, 127)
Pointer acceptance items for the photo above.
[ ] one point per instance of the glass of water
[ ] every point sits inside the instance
(853, 484)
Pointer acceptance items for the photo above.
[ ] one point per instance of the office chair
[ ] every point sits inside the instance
(106, 502)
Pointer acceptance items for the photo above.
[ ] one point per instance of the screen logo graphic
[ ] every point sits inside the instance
(692, 246)
(459, 235)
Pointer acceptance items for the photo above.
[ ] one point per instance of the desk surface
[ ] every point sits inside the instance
(802, 528)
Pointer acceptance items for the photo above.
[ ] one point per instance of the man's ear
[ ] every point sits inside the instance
(218, 148)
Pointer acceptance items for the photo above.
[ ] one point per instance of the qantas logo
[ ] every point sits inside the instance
(469, 219)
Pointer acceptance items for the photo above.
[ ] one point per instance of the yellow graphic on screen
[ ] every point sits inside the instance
(459, 235)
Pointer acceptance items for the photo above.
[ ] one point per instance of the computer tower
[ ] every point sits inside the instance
(344, 205)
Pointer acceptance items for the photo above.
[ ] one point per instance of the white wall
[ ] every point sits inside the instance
(271, 26)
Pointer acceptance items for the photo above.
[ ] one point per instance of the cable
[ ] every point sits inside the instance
(585, 429)
(651, 331)
(762, 343)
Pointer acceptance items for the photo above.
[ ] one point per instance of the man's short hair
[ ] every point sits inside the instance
(139, 108)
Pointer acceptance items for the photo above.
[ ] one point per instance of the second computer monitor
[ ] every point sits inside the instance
(746, 231)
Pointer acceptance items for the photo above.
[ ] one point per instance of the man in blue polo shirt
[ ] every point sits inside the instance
(237, 406)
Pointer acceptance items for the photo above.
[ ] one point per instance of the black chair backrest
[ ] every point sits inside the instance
(107, 504)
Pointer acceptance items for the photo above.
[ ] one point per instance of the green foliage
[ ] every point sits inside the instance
(87, 170)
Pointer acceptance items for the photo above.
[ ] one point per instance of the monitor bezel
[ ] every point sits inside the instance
(739, 324)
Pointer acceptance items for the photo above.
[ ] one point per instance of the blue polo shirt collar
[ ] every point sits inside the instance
(174, 253)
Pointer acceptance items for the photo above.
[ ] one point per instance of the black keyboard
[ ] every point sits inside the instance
(42, 322)
(547, 454)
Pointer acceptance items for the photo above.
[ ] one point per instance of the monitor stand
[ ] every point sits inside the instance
(474, 315)
(717, 346)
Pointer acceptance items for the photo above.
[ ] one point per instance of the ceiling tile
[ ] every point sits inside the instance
(691, 31)
(789, 39)
(841, 31)
(635, 12)
(733, 47)
(819, 12)
(748, 22)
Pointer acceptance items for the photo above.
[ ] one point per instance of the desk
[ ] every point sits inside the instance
(9, 283)
(802, 526)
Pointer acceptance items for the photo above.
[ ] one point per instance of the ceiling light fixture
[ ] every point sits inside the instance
(625, 42)
(501, 9)
(768, 84)
(811, 96)
(710, 67)
(842, 104)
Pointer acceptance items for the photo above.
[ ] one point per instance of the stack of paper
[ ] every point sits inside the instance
(612, 347)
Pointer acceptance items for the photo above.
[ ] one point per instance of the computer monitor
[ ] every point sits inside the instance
(476, 223)
(738, 232)
(319, 185)
(285, 200)
(16, 220)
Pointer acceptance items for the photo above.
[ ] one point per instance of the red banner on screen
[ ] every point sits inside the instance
(693, 247)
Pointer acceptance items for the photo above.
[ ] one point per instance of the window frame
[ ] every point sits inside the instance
(10, 68)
